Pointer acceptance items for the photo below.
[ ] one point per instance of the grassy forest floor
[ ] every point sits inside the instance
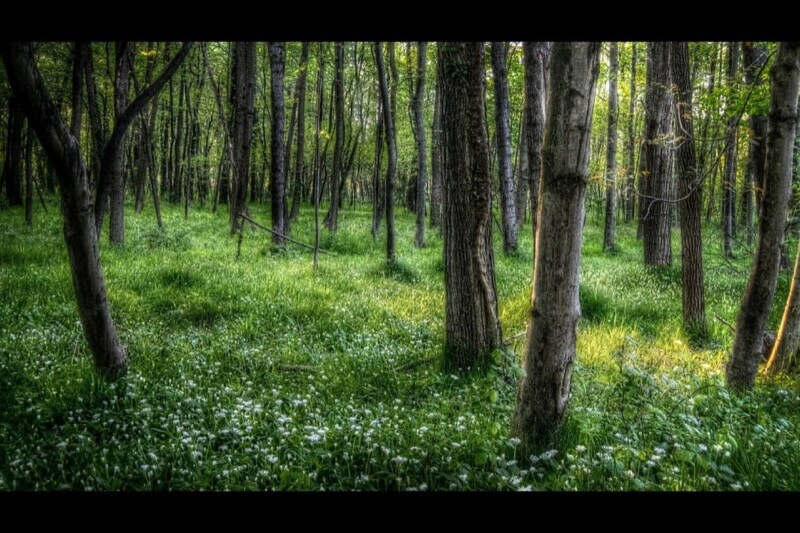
(260, 373)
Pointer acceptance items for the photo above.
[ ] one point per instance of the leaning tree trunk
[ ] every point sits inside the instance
(503, 132)
(472, 329)
(537, 55)
(300, 156)
(656, 227)
(76, 206)
(391, 148)
(611, 152)
(277, 178)
(785, 347)
(691, 196)
(748, 339)
(419, 135)
(755, 57)
(729, 175)
(332, 218)
(436, 149)
(244, 82)
(543, 393)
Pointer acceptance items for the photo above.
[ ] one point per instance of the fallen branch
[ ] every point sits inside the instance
(733, 329)
(253, 222)
(507, 342)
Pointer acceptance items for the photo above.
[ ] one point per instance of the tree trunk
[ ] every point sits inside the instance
(12, 167)
(656, 227)
(277, 179)
(299, 167)
(317, 124)
(76, 207)
(748, 340)
(116, 230)
(785, 347)
(503, 132)
(436, 148)
(378, 194)
(332, 218)
(29, 177)
(611, 151)
(523, 174)
(419, 136)
(543, 393)
(690, 194)
(472, 328)
(630, 187)
(755, 57)
(537, 56)
(391, 147)
(729, 175)
(244, 81)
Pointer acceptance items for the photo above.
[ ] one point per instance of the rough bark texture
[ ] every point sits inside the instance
(611, 151)
(760, 291)
(630, 171)
(656, 227)
(690, 196)
(729, 174)
(12, 166)
(419, 137)
(277, 178)
(116, 223)
(754, 56)
(436, 148)
(543, 393)
(537, 57)
(472, 329)
(523, 174)
(391, 147)
(503, 133)
(300, 155)
(332, 218)
(76, 207)
(244, 82)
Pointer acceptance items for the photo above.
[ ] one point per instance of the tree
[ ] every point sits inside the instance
(12, 165)
(472, 329)
(690, 193)
(543, 393)
(419, 136)
(243, 91)
(656, 226)
(630, 188)
(299, 168)
(611, 151)
(436, 148)
(332, 218)
(391, 148)
(729, 174)
(277, 179)
(503, 132)
(748, 339)
(788, 338)
(537, 57)
(63, 150)
(755, 57)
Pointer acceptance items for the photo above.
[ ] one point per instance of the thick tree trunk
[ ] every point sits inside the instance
(690, 194)
(748, 340)
(729, 175)
(472, 329)
(391, 146)
(543, 393)
(300, 156)
(76, 207)
(503, 132)
(12, 167)
(244, 81)
(656, 227)
(610, 230)
(755, 56)
(436, 148)
(277, 179)
(419, 136)
(537, 57)
(630, 171)
(332, 218)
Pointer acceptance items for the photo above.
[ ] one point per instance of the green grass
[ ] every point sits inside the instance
(261, 373)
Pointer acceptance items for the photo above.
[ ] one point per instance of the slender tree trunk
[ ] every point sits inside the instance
(690, 194)
(537, 56)
(300, 156)
(317, 124)
(422, 150)
(332, 218)
(378, 194)
(244, 81)
(436, 149)
(12, 167)
(657, 230)
(472, 328)
(611, 151)
(391, 148)
(277, 181)
(503, 132)
(523, 173)
(543, 393)
(755, 57)
(760, 291)
(630, 188)
(29, 177)
(79, 231)
(783, 351)
(116, 233)
(729, 176)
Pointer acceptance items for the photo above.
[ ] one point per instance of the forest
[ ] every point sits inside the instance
(399, 266)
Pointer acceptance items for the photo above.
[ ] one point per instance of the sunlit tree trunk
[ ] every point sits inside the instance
(611, 151)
